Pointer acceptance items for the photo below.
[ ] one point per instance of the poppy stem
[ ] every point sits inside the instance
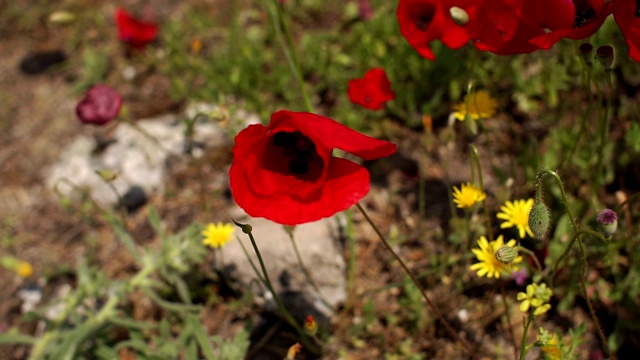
(286, 42)
(476, 158)
(431, 304)
(305, 271)
(283, 310)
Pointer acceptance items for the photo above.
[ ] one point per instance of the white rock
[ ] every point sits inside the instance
(320, 253)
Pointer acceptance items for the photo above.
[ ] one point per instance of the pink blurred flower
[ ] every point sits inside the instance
(100, 105)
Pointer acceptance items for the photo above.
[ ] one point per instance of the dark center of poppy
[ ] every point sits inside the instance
(298, 149)
(424, 17)
(637, 12)
(584, 13)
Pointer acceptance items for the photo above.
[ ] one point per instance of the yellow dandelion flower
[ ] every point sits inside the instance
(516, 214)
(24, 269)
(480, 105)
(468, 195)
(489, 266)
(217, 235)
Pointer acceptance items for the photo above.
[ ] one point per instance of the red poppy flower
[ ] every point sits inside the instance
(372, 90)
(502, 28)
(422, 21)
(100, 105)
(134, 32)
(285, 171)
(576, 20)
(627, 15)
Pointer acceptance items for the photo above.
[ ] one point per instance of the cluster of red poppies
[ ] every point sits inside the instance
(513, 26)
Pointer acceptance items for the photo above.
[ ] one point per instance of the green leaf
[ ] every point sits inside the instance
(14, 337)
(202, 337)
(154, 220)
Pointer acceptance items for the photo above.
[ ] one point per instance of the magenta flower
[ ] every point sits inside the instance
(100, 105)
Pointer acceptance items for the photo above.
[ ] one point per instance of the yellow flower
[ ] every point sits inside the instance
(489, 265)
(528, 298)
(217, 235)
(516, 214)
(480, 105)
(551, 350)
(293, 351)
(468, 195)
(536, 297)
(24, 269)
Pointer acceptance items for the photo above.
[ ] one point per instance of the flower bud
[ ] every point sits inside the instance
(107, 175)
(310, 325)
(607, 222)
(246, 228)
(586, 50)
(459, 15)
(506, 254)
(605, 55)
(539, 219)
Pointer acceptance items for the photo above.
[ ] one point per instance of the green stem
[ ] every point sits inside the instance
(283, 310)
(592, 312)
(603, 129)
(523, 343)
(351, 269)
(306, 272)
(582, 120)
(476, 158)
(286, 42)
(432, 305)
(556, 177)
(253, 265)
(532, 255)
(508, 316)
(564, 254)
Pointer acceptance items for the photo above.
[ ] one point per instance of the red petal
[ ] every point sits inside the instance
(135, 32)
(345, 185)
(623, 13)
(329, 134)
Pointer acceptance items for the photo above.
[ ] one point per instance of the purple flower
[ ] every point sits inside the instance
(520, 276)
(607, 222)
(607, 217)
(100, 105)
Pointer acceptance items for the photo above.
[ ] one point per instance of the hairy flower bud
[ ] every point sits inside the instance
(539, 219)
(506, 254)
(607, 222)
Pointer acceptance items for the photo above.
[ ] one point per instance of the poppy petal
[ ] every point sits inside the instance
(329, 134)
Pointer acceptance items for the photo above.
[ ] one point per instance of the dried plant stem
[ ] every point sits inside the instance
(430, 303)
